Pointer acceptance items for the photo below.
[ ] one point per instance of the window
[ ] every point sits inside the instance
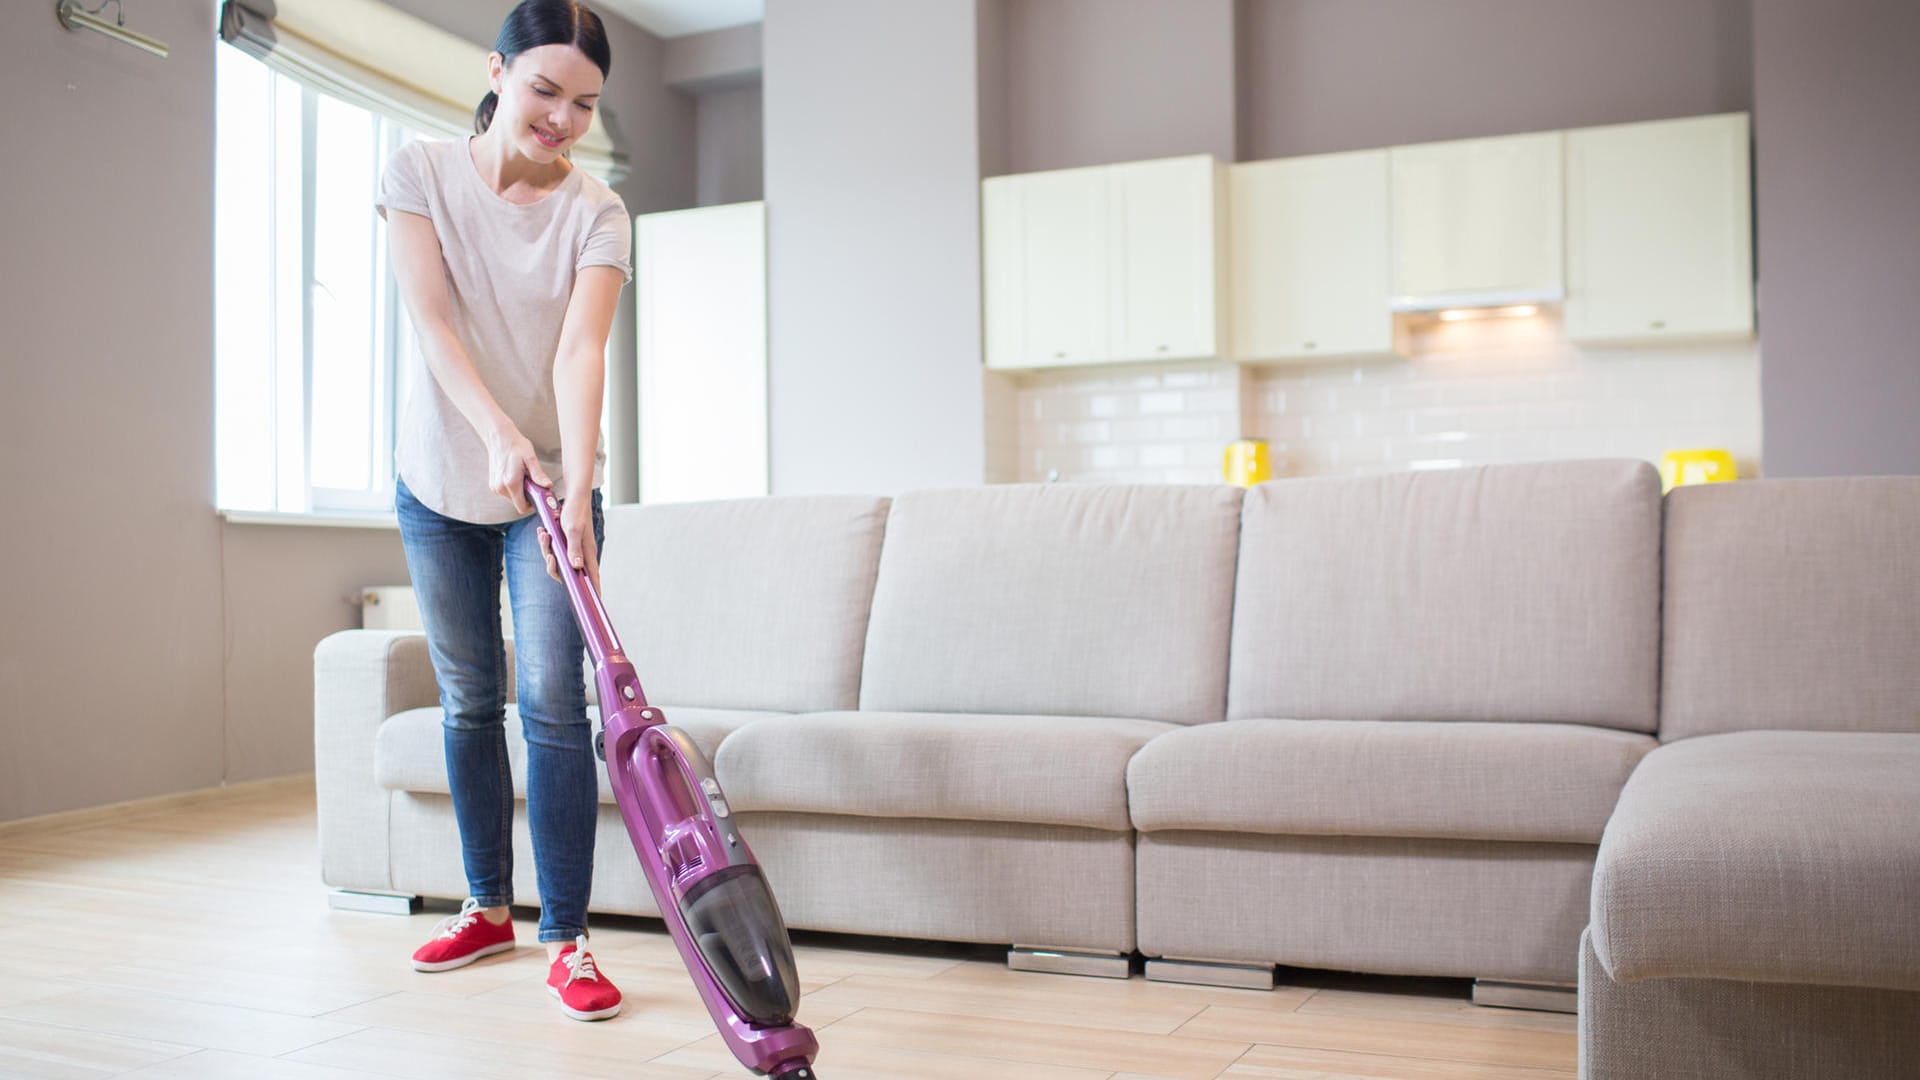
(312, 344)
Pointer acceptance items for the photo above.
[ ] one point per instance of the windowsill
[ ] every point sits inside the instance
(343, 520)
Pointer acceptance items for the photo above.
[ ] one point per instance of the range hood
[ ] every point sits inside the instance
(1429, 303)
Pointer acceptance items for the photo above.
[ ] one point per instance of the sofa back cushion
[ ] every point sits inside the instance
(745, 603)
(1057, 600)
(1508, 592)
(1792, 604)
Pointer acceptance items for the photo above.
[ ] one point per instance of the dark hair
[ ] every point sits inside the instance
(533, 23)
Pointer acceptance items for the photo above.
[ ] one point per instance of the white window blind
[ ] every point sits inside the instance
(387, 62)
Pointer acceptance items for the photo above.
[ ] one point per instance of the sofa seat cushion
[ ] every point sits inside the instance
(1766, 856)
(1401, 778)
(1037, 770)
(410, 753)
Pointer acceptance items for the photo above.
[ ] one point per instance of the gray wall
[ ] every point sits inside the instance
(1091, 82)
(715, 60)
(730, 159)
(145, 646)
(110, 660)
(1098, 81)
(1837, 172)
(720, 70)
(283, 589)
(873, 246)
(1327, 75)
(991, 41)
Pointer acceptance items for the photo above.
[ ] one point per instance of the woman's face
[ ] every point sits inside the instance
(547, 98)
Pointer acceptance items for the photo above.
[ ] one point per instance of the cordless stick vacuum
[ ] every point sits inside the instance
(708, 887)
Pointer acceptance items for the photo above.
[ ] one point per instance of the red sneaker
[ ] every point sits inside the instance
(462, 938)
(583, 992)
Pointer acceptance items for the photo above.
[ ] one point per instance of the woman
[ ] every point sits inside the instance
(510, 261)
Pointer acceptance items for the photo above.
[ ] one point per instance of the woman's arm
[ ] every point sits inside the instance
(420, 266)
(579, 386)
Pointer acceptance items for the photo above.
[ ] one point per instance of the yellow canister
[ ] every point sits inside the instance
(1248, 462)
(1681, 467)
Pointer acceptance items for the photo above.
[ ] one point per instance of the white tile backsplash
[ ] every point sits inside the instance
(1139, 424)
(1480, 393)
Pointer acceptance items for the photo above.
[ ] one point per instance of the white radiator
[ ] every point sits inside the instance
(392, 607)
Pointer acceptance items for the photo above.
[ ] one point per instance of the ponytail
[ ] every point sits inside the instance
(483, 116)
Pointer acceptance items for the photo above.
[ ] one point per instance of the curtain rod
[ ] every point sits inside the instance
(73, 17)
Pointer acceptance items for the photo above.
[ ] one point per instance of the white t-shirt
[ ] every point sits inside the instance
(510, 273)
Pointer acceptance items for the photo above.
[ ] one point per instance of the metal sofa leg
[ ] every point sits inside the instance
(1235, 975)
(1069, 962)
(1541, 997)
(377, 902)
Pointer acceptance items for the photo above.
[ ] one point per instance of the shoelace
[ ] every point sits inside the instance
(580, 962)
(458, 921)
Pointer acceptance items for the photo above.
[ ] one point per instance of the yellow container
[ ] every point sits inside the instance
(1681, 467)
(1248, 462)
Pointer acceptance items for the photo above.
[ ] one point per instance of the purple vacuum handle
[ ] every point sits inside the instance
(667, 794)
(595, 626)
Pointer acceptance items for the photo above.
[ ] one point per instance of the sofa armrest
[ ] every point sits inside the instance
(360, 677)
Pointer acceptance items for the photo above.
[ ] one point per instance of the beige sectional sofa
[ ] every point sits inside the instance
(1376, 724)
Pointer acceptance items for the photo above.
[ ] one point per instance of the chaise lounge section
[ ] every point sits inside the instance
(1756, 907)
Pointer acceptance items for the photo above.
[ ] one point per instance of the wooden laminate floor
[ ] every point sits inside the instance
(194, 940)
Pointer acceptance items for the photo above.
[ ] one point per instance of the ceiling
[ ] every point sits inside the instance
(676, 18)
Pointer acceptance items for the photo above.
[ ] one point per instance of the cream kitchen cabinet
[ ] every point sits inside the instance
(1478, 221)
(1309, 257)
(1103, 264)
(1168, 227)
(1659, 231)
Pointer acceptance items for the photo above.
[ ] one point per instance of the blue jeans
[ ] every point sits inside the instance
(456, 567)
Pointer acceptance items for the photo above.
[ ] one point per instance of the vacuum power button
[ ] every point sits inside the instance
(714, 798)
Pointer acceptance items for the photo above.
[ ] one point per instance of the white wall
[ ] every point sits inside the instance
(873, 192)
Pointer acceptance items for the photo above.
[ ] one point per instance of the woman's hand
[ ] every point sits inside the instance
(510, 458)
(576, 522)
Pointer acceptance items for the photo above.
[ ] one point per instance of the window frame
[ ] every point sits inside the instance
(290, 358)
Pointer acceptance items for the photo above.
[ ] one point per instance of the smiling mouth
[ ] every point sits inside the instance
(545, 139)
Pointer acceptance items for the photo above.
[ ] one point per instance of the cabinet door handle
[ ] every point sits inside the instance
(1059, 356)
(1159, 348)
(1658, 324)
(1309, 344)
